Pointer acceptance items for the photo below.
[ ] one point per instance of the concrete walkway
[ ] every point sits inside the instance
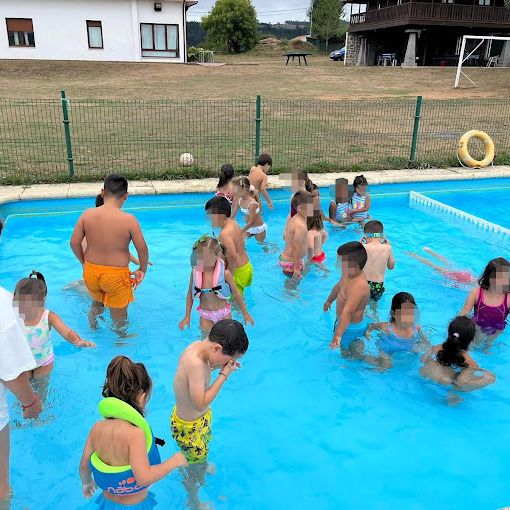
(76, 190)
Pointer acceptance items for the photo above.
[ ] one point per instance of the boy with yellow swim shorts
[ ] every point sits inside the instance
(191, 419)
(105, 261)
(232, 238)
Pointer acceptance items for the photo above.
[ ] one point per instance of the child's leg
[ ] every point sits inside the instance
(193, 479)
(97, 308)
(444, 260)
(357, 351)
(5, 489)
(425, 261)
(206, 326)
(261, 237)
(41, 381)
(468, 380)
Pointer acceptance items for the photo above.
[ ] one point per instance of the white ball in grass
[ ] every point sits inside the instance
(186, 159)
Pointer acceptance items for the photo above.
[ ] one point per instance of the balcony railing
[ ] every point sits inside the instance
(422, 12)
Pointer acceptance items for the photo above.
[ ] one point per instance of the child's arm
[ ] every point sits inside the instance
(351, 305)
(263, 190)
(189, 304)
(470, 302)
(248, 319)
(332, 210)
(146, 474)
(372, 327)
(66, 332)
(363, 209)
(251, 218)
(430, 354)
(332, 296)
(76, 240)
(135, 261)
(391, 259)
(311, 245)
(299, 231)
(286, 227)
(141, 249)
(471, 363)
(88, 486)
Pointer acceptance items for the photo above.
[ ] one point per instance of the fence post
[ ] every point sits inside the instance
(258, 120)
(417, 116)
(67, 131)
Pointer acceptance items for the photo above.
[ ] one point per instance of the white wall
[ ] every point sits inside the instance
(60, 28)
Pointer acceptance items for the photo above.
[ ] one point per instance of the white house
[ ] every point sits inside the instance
(110, 30)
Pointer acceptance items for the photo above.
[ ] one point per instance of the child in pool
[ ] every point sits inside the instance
(351, 294)
(249, 204)
(212, 283)
(490, 301)
(462, 277)
(258, 176)
(224, 187)
(29, 298)
(191, 419)
(119, 442)
(360, 201)
(380, 258)
(299, 181)
(316, 238)
(340, 207)
(399, 334)
(450, 363)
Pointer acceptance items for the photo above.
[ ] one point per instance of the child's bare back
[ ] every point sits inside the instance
(355, 290)
(379, 259)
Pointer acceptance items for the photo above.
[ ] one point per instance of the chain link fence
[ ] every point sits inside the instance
(144, 139)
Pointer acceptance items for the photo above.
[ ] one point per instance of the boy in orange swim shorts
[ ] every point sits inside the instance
(105, 262)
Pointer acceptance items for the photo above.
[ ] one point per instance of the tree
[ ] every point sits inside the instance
(325, 20)
(232, 24)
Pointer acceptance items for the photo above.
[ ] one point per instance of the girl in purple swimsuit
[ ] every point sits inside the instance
(490, 301)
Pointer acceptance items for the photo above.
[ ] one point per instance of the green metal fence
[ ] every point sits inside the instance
(76, 139)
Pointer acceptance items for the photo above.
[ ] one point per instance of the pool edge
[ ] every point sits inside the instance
(82, 190)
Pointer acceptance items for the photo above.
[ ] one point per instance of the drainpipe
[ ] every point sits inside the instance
(184, 37)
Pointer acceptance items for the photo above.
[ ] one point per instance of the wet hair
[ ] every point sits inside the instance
(359, 180)
(126, 381)
(244, 183)
(226, 175)
(210, 244)
(99, 200)
(315, 222)
(218, 205)
(33, 286)
(373, 227)
(115, 185)
(300, 198)
(490, 271)
(461, 332)
(355, 252)
(265, 159)
(398, 300)
(230, 334)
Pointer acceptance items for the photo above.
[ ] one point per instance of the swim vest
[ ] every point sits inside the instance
(220, 286)
(120, 480)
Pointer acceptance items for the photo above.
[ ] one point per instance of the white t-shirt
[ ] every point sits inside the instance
(15, 354)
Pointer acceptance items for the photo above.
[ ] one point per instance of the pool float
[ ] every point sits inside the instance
(463, 152)
(120, 480)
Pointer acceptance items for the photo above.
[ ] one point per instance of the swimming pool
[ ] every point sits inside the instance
(297, 426)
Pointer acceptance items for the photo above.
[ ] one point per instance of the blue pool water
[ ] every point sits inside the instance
(297, 426)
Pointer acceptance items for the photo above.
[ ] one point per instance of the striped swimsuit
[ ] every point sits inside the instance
(358, 202)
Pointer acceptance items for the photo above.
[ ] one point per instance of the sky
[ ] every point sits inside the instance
(268, 11)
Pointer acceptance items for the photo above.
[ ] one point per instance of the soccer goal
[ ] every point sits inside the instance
(462, 58)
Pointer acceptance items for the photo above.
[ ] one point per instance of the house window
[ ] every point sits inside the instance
(20, 32)
(159, 40)
(447, 1)
(484, 2)
(95, 34)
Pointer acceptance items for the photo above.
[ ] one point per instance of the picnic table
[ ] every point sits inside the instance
(298, 54)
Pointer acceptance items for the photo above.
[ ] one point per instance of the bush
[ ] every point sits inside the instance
(193, 53)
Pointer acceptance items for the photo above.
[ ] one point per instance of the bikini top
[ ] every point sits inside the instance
(220, 286)
(487, 316)
(228, 195)
(39, 338)
(247, 209)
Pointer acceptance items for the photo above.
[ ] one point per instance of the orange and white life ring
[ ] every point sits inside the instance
(463, 152)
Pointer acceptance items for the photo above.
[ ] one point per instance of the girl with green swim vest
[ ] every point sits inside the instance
(121, 455)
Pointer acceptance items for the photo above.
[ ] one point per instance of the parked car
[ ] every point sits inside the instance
(337, 54)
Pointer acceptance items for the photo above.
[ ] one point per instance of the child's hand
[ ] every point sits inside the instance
(230, 367)
(335, 343)
(297, 273)
(180, 460)
(185, 322)
(248, 319)
(139, 275)
(326, 306)
(88, 489)
(83, 343)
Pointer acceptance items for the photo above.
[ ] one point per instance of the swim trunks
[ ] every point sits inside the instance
(110, 285)
(459, 276)
(352, 332)
(192, 437)
(243, 276)
(215, 315)
(287, 265)
(318, 259)
(376, 290)
(106, 504)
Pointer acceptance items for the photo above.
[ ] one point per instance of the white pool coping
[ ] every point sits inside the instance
(80, 189)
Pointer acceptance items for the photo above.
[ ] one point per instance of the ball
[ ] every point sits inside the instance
(186, 159)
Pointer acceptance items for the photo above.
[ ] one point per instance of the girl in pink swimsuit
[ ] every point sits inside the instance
(213, 285)
(490, 301)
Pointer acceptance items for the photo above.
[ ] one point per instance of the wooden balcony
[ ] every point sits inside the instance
(420, 13)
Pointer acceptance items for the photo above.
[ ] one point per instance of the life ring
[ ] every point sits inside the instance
(463, 153)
